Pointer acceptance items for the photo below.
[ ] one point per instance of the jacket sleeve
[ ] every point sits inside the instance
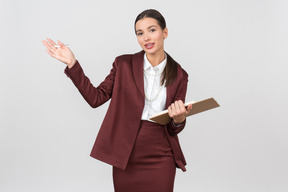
(181, 94)
(95, 96)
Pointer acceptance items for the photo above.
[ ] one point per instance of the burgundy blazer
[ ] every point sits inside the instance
(125, 86)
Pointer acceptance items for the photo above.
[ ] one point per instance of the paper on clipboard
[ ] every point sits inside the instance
(197, 107)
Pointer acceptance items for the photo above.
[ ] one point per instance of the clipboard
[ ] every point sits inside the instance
(197, 107)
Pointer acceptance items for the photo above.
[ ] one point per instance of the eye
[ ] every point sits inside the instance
(139, 34)
(152, 30)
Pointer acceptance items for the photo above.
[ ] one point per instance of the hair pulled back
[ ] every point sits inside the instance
(151, 13)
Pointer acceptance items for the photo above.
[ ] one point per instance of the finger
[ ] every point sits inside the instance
(50, 52)
(49, 46)
(185, 108)
(189, 108)
(170, 112)
(46, 44)
(52, 42)
(61, 44)
(182, 105)
(182, 108)
(173, 109)
(177, 107)
(180, 102)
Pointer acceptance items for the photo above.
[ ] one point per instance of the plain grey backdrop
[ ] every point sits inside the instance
(234, 51)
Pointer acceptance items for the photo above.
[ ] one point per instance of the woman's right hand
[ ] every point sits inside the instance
(62, 53)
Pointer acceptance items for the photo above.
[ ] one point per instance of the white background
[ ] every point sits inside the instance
(234, 51)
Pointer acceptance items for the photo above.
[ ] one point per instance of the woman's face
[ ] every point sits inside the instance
(150, 36)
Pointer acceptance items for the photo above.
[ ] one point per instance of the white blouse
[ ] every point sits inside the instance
(155, 94)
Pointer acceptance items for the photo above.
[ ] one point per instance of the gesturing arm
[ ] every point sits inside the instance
(95, 96)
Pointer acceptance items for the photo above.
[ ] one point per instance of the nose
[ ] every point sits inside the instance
(146, 37)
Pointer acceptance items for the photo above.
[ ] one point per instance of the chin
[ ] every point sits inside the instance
(151, 52)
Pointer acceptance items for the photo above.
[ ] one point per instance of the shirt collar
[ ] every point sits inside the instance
(160, 66)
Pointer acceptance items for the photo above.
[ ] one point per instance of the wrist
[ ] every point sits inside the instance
(178, 122)
(71, 63)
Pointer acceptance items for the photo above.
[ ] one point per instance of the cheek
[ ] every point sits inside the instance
(159, 37)
(139, 40)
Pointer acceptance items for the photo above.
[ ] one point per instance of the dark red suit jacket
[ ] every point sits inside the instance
(125, 86)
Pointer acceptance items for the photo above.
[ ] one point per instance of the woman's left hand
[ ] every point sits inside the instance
(178, 112)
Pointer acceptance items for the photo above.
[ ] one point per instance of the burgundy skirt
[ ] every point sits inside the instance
(151, 166)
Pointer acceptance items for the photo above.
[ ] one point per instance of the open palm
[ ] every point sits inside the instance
(62, 53)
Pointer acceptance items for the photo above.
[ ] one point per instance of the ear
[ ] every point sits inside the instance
(165, 33)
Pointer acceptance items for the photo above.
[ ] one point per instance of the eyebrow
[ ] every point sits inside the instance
(147, 28)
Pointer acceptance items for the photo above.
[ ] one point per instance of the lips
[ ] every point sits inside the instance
(149, 45)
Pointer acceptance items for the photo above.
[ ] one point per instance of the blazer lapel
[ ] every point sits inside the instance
(137, 68)
(138, 71)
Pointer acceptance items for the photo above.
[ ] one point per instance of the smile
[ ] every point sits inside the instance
(149, 46)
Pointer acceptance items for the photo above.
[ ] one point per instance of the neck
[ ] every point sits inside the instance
(155, 59)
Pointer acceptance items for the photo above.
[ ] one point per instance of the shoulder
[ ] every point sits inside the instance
(124, 58)
(182, 71)
(128, 58)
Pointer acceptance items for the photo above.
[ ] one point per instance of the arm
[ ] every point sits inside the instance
(95, 96)
(177, 110)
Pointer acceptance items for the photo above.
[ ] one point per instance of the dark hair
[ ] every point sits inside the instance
(170, 71)
(151, 13)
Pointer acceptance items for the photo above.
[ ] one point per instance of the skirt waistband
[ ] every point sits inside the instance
(150, 123)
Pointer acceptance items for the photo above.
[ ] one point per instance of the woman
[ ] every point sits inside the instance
(144, 154)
